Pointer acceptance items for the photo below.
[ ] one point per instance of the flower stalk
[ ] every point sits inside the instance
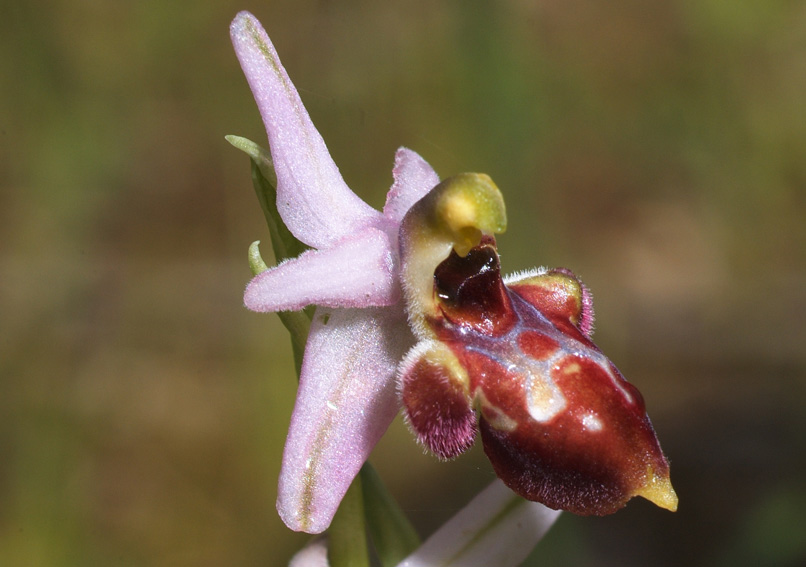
(393, 536)
(284, 245)
(347, 534)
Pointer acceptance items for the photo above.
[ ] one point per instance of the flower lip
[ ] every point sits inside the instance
(559, 423)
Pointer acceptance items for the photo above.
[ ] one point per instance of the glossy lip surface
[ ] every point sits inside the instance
(559, 422)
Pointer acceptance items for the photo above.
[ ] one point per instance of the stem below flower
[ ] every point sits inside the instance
(347, 533)
(393, 536)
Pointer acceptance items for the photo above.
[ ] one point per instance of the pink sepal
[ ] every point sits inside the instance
(346, 401)
(312, 197)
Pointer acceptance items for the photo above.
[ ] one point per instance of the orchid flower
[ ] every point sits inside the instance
(347, 397)
(413, 296)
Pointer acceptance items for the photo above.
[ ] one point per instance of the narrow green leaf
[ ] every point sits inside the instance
(298, 324)
(392, 534)
(284, 244)
(347, 535)
(259, 155)
(256, 262)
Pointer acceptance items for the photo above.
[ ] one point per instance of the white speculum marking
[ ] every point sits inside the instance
(544, 399)
(494, 415)
(604, 364)
(591, 422)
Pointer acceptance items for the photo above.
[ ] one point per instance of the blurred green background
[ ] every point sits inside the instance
(656, 148)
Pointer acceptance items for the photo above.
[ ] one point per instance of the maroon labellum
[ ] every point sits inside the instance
(514, 359)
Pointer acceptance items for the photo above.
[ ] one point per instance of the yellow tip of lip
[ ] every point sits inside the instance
(659, 491)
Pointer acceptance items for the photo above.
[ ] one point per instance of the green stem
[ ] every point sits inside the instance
(392, 534)
(347, 540)
(298, 323)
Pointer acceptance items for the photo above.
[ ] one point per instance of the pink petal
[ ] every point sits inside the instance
(413, 178)
(312, 198)
(497, 528)
(357, 272)
(346, 401)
